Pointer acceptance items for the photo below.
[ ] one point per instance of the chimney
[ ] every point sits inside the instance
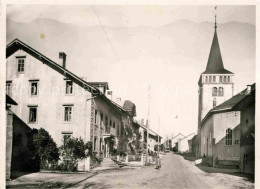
(62, 57)
(248, 89)
(83, 78)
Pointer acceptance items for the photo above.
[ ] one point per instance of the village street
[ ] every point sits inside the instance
(176, 172)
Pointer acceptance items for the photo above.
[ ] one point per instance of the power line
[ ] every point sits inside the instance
(114, 51)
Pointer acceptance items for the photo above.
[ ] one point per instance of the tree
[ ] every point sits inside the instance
(123, 142)
(73, 150)
(45, 148)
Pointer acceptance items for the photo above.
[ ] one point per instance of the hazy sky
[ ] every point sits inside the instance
(129, 73)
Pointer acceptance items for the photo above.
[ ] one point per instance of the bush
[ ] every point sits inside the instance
(73, 150)
(45, 148)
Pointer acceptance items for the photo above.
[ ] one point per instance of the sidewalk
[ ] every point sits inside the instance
(49, 180)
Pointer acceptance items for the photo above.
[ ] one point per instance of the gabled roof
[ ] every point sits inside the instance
(145, 128)
(215, 64)
(16, 45)
(177, 135)
(229, 104)
(187, 136)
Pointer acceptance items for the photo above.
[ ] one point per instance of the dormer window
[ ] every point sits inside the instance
(69, 87)
(20, 64)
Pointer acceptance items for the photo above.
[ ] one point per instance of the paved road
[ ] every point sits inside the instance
(175, 173)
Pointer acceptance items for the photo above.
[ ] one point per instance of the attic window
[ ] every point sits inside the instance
(20, 61)
(69, 87)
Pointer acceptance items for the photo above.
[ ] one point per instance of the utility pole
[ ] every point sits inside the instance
(147, 127)
(158, 137)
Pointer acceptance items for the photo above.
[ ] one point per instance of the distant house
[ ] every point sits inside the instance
(183, 144)
(193, 144)
(153, 137)
(175, 139)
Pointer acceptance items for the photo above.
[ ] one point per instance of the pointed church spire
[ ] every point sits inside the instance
(215, 22)
(215, 64)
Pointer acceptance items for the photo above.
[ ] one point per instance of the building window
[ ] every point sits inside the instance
(206, 79)
(214, 78)
(67, 113)
(228, 79)
(107, 129)
(110, 123)
(114, 125)
(20, 65)
(214, 102)
(34, 88)
(8, 87)
(69, 87)
(32, 114)
(210, 138)
(210, 79)
(96, 118)
(220, 91)
(220, 79)
(225, 79)
(101, 119)
(214, 91)
(228, 137)
(118, 130)
(95, 143)
(106, 121)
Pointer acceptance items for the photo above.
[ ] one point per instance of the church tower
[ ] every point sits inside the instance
(215, 83)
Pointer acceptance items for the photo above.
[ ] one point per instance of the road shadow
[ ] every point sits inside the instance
(208, 169)
(18, 174)
(96, 185)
